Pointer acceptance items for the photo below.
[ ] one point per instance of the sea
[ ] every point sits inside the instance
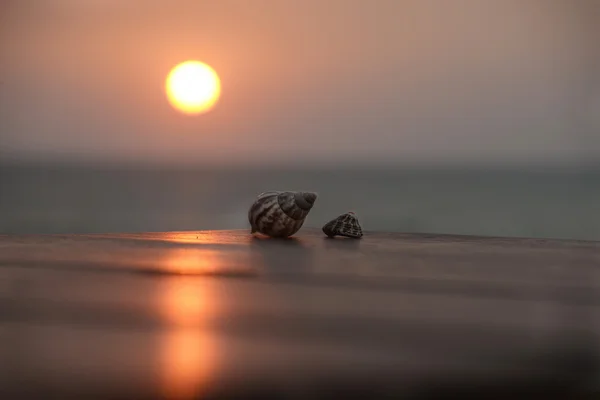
(562, 204)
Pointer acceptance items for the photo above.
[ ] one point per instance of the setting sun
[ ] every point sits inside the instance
(193, 87)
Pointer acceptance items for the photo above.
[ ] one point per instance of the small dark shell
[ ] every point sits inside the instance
(345, 225)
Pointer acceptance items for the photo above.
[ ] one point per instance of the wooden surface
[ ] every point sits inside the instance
(216, 314)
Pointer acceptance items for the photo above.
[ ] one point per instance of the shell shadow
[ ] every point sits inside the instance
(290, 255)
(341, 243)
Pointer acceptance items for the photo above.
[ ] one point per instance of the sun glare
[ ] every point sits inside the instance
(193, 87)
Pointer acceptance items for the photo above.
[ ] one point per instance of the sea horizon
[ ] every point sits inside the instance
(542, 202)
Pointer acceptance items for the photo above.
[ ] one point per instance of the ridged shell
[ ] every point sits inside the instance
(345, 225)
(280, 214)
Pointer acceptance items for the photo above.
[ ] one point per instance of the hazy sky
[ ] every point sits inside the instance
(307, 81)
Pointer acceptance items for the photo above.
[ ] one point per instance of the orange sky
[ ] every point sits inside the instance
(306, 82)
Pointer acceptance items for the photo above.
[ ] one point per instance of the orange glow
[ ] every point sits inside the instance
(191, 262)
(201, 237)
(184, 303)
(187, 364)
(193, 87)
(208, 262)
(188, 353)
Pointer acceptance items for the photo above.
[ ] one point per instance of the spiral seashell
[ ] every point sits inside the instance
(280, 214)
(345, 225)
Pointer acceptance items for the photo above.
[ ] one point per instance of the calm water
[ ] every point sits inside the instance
(515, 203)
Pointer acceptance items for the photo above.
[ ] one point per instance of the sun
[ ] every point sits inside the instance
(193, 87)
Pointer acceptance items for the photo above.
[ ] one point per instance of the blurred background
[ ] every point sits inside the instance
(467, 117)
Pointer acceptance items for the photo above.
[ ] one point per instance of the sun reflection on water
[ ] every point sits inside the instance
(188, 354)
(207, 262)
(191, 261)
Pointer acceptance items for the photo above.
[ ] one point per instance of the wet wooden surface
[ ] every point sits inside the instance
(216, 314)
